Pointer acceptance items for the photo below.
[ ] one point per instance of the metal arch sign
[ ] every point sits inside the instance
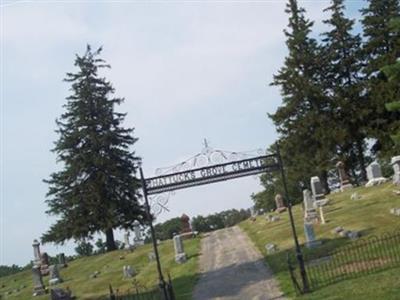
(211, 174)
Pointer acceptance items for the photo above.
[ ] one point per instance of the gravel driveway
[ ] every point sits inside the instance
(232, 268)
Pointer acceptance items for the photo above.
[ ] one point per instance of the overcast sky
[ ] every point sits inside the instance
(188, 71)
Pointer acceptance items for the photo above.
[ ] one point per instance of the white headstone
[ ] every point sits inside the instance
(180, 256)
(178, 244)
(128, 271)
(36, 252)
(395, 162)
(374, 174)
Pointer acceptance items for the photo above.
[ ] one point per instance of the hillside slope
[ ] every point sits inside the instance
(370, 215)
(77, 275)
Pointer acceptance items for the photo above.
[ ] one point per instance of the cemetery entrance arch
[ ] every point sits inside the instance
(232, 165)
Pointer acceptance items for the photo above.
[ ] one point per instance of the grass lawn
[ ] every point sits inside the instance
(370, 215)
(76, 275)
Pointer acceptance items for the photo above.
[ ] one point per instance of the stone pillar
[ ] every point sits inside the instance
(126, 240)
(180, 256)
(280, 205)
(395, 162)
(344, 178)
(36, 252)
(308, 200)
(38, 286)
(310, 213)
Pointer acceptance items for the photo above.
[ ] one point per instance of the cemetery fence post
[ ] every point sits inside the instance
(299, 254)
(162, 284)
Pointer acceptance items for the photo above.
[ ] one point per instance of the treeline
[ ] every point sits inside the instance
(9, 270)
(223, 219)
(340, 97)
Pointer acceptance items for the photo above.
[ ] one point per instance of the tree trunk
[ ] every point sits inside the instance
(110, 242)
(324, 181)
(361, 160)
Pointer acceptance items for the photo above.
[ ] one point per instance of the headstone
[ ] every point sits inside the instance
(54, 275)
(311, 241)
(338, 229)
(316, 188)
(60, 294)
(180, 256)
(344, 178)
(61, 260)
(36, 252)
(126, 240)
(44, 264)
(178, 244)
(271, 248)
(395, 162)
(308, 200)
(186, 232)
(151, 256)
(185, 222)
(280, 205)
(138, 239)
(353, 235)
(275, 218)
(395, 211)
(128, 271)
(272, 218)
(374, 175)
(318, 192)
(38, 286)
(355, 196)
(344, 233)
(310, 213)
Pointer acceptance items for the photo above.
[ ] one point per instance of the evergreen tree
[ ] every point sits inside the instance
(343, 85)
(381, 48)
(392, 73)
(96, 191)
(303, 119)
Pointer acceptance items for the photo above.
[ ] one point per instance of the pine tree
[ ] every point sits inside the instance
(381, 48)
(392, 73)
(343, 85)
(96, 191)
(303, 119)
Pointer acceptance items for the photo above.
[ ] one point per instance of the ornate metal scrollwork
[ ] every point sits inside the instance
(207, 157)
